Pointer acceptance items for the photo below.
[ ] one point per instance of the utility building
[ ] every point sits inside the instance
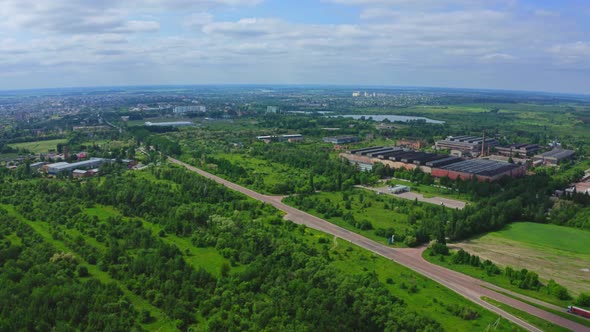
(518, 150)
(553, 157)
(341, 139)
(467, 144)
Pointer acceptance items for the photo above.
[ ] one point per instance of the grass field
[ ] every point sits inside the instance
(39, 146)
(554, 252)
(534, 320)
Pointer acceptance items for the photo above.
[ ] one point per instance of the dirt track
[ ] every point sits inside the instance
(470, 288)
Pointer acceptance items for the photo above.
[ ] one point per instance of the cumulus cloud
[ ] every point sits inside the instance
(401, 39)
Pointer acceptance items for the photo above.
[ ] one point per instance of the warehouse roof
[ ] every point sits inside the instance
(64, 165)
(557, 154)
(443, 161)
(480, 167)
(364, 149)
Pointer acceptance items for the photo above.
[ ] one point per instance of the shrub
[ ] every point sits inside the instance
(583, 300)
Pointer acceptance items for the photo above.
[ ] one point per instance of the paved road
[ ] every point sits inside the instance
(468, 287)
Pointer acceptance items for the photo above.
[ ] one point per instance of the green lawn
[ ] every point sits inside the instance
(547, 235)
(39, 146)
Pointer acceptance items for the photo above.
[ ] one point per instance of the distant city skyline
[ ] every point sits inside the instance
(524, 45)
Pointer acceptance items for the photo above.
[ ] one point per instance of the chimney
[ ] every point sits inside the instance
(483, 144)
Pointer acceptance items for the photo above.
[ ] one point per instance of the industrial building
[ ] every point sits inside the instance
(187, 109)
(37, 165)
(399, 189)
(291, 138)
(467, 145)
(483, 170)
(63, 166)
(553, 157)
(518, 150)
(410, 144)
(169, 124)
(346, 139)
(436, 164)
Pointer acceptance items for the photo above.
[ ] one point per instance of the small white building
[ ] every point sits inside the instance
(399, 189)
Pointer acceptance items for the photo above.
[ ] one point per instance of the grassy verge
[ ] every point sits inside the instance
(419, 293)
(498, 280)
(565, 315)
(531, 319)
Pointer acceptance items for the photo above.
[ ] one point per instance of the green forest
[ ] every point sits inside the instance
(122, 252)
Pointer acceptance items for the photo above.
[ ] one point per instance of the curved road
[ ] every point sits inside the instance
(471, 288)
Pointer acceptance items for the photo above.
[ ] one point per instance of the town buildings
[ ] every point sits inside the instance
(435, 164)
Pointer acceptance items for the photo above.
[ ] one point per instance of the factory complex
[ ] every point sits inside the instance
(63, 166)
(436, 164)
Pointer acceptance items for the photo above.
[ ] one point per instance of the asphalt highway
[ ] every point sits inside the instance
(471, 288)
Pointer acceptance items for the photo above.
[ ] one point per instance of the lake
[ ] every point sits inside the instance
(393, 118)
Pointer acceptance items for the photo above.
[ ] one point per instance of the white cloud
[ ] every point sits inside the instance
(395, 39)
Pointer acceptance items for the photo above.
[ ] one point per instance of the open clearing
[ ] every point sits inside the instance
(39, 146)
(448, 202)
(554, 252)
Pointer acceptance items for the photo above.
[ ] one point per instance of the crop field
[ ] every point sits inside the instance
(39, 146)
(554, 252)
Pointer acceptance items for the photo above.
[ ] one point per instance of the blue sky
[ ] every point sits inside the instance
(500, 44)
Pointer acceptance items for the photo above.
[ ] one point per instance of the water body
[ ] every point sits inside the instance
(393, 118)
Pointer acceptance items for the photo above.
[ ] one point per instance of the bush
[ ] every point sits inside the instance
(410, 241)
(83, 271)
(583, 300)
(440, 249)
(558, 290)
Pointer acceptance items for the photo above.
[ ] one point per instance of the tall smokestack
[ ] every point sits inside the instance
(483, 144)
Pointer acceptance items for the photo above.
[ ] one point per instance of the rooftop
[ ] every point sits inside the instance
(558, 154)
(480, 167)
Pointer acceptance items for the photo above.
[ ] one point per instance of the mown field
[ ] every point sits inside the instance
(39, 146)
(554, 252)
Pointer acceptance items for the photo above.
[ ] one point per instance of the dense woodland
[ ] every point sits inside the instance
(285, 283)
